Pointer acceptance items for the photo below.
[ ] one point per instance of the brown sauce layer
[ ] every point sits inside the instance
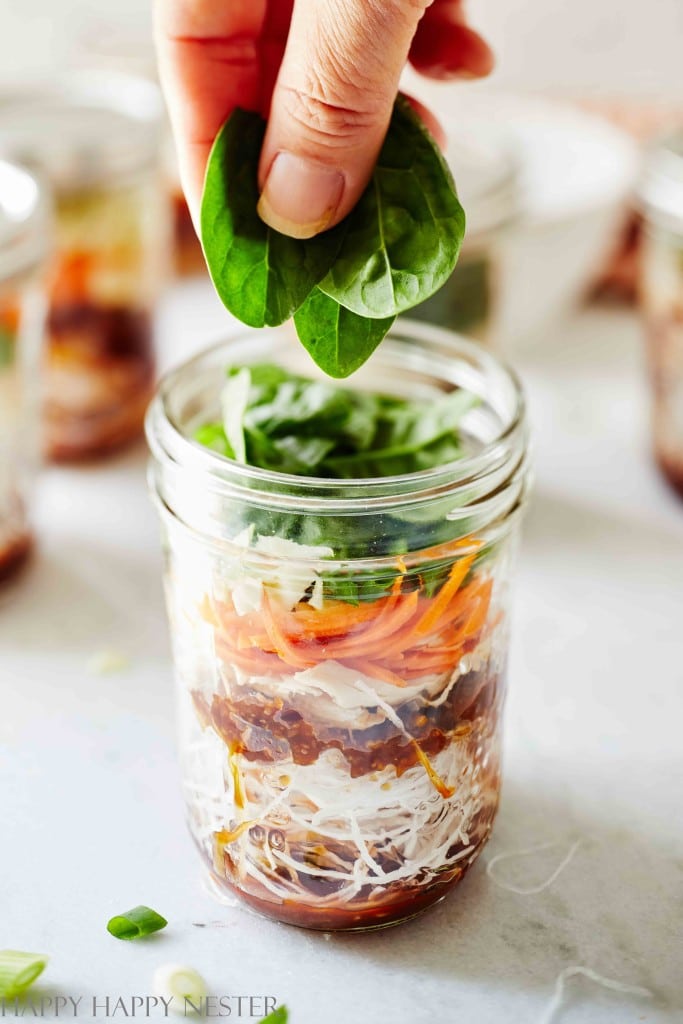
(98, 334)
(672, 470)
(373, 907)
(14, 555)
(99, 379)
(271, 730)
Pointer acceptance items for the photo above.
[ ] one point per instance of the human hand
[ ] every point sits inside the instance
(324, 72)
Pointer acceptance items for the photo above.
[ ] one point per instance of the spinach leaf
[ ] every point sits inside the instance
(414, 425)
(338, 340)
(291, 454)
(367, 465)
(345, 286)
(260, 275)
(212, 435)
(311, 409)
(401, 241)
(290, 424)
(281, 422)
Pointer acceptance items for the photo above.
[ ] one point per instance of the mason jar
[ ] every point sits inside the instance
(97, 136)
(341, 645)
(661, 292)
(486, 173)
(24, 220)
(188, 255)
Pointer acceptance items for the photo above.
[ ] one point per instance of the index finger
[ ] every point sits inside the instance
(209, 63)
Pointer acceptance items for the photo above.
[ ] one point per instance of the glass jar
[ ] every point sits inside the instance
(661, 200)
(97, 136)
(188, 255)
(23, 242)
(340, 645)
(486, 173)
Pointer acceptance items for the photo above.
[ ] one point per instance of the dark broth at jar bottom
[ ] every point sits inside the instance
(14, 552)
(274, 733)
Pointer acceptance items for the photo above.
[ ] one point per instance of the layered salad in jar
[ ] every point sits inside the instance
(96, 136)
(663, 304)
(100, 357)
(341, 675)
(15, 536)
(24, 237)
(661, 286)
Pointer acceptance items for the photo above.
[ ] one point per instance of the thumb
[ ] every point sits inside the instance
(331, 107)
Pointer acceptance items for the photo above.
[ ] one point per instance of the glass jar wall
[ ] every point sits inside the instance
(661, 197)
(341, 646)
(97, 136)
(23, 240)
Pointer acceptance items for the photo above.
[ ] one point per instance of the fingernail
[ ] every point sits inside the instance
(300, 196)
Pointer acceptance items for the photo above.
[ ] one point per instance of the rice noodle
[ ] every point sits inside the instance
(529, 851)
(550, 1013)
(372, 820)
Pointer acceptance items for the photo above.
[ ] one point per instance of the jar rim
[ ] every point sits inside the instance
(475, 476)
(24, 214)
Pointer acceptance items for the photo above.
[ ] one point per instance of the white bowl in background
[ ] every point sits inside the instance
(575, 173)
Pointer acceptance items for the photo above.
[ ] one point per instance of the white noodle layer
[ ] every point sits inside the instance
(370, 831)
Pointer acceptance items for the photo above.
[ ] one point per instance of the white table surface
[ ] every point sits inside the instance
(91, 820)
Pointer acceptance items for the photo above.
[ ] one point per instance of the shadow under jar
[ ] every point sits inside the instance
(96, 136)
(23, 243)
(661, 292)
(340, 645)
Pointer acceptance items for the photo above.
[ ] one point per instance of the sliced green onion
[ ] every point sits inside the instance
(174, 981)
(18, 971)
(279, 1016)
(135, 923)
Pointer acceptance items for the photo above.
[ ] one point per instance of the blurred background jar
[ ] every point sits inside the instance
(114, 43)
(661, 201)
(97, 136)
(486, 173)
(23, 245)
(188, 255)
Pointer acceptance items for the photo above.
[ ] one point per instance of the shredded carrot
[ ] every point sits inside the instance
(10, 316)
(207, 611)
(71, 276)
(255, 661)
(399, 637)
(459, 608)
(286, 649)
(443, 598)
(335, 618)
(435, 779)
(224, 838)
(378, 635)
